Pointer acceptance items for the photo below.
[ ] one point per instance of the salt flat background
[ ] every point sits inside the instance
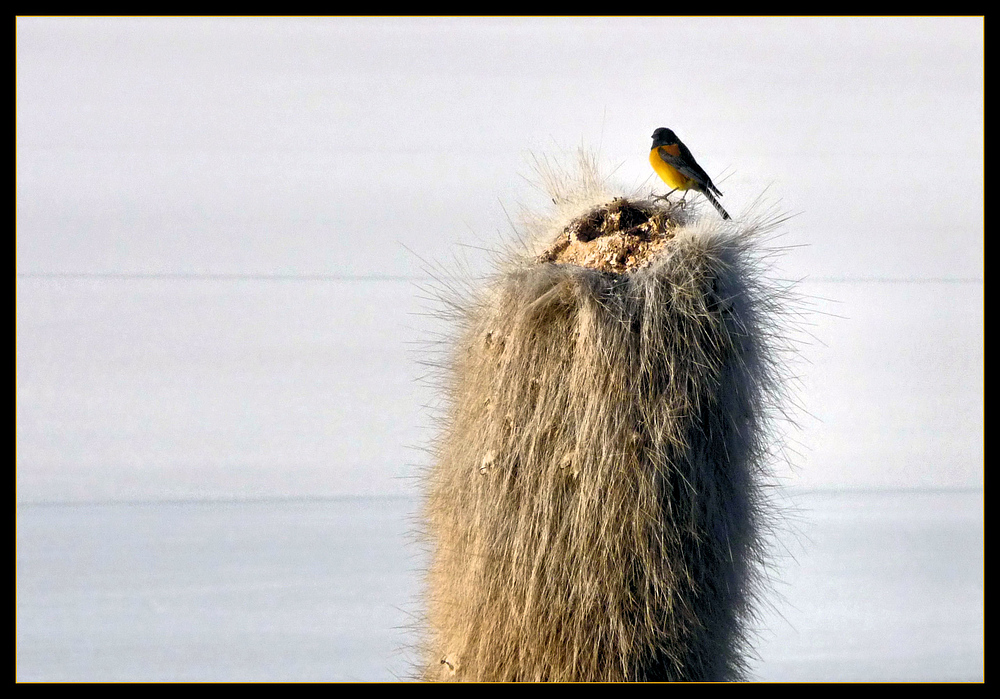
(153, 412)
(223, 234)
(870, 586)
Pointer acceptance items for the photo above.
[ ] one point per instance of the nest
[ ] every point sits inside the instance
(616, 237)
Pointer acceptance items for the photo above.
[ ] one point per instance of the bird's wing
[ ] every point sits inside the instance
(685, 164)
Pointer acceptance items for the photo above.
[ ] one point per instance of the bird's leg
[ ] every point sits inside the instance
(664, 197)
(683, 201)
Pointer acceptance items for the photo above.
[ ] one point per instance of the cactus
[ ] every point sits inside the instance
(597, 502)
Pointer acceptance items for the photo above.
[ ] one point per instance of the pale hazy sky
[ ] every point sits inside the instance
(318, 145)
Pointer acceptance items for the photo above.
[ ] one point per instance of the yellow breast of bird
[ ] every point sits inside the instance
(668, 174)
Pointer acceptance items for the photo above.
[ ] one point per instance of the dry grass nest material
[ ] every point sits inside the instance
(616, 237)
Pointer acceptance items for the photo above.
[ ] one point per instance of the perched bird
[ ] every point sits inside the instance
(676, 166)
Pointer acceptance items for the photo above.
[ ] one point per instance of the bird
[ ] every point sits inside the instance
(675, 165)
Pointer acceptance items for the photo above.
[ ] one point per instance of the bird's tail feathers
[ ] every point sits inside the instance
(715, 202)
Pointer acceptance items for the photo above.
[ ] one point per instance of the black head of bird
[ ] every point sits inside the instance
(664, 137)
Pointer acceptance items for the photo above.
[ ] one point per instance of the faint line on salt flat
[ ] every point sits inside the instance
(217, 500)
(181, 276)
(357, 497)
(894, 280)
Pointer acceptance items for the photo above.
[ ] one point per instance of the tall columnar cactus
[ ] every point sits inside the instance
(596, 503)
